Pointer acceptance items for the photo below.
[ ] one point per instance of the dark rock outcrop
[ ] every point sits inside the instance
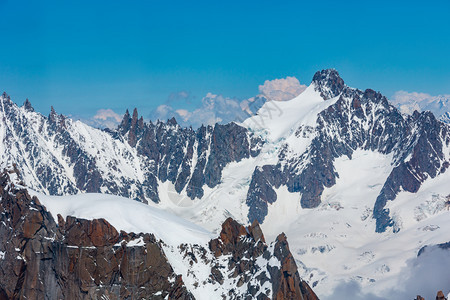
(60, 156)
(27, 105)
(440, 296)
(88, 259)
(328, 83)
(443, 246)
(244, 247)
(76, 259)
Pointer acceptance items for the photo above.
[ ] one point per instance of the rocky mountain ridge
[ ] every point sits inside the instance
(419, 145)
(335, 164)
(58, 156)
(89, 259)
(76, 258)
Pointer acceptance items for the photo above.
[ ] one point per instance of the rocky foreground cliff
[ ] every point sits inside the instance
(89, 259)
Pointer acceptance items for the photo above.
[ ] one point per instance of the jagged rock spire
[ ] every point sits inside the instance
(328, 83)
(126, 121)
(134, 127)
(6, 99)
(135, 117)
(27, 105)
(5, 96)
(141, 123)
(57, 121)
(52, 117)
(172, 121)
(240, 242)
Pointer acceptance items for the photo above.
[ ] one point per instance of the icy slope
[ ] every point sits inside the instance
(238, 264)
(278, 119)
(337, 242)
(57, 155)
(127, 215)
(332, 121)
(227, 199)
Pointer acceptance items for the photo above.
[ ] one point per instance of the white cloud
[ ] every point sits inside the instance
(183, 113)
(220, 109)
(183, 96)
(406, 97)
(163, 113)
(105, 114)
(409, 102)
(104, 118)
(282, 89)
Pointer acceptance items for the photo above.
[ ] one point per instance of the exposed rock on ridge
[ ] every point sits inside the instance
(60, 156)
(357, 120)
(79, 259)
(88, 259)
(245, 247)
(57, 155)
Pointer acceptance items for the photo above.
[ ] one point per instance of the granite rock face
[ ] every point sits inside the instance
(262, 271)
(440, 296)
(76, 258)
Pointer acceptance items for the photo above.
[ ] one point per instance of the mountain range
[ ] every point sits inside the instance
(358, 186)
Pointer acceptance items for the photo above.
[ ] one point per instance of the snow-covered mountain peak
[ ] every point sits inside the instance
(277, 120)
(328, 83)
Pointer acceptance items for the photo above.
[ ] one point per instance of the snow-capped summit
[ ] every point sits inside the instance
(328, 83)
(311, 133)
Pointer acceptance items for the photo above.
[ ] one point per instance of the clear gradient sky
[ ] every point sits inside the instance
(87, 55)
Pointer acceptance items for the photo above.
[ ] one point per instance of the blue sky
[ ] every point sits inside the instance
(84, 56)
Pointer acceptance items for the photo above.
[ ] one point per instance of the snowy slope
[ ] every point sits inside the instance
(185, 244)
(57, 155)
(337, 241)
(277, 120)
(127, 215)
(225, 200)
